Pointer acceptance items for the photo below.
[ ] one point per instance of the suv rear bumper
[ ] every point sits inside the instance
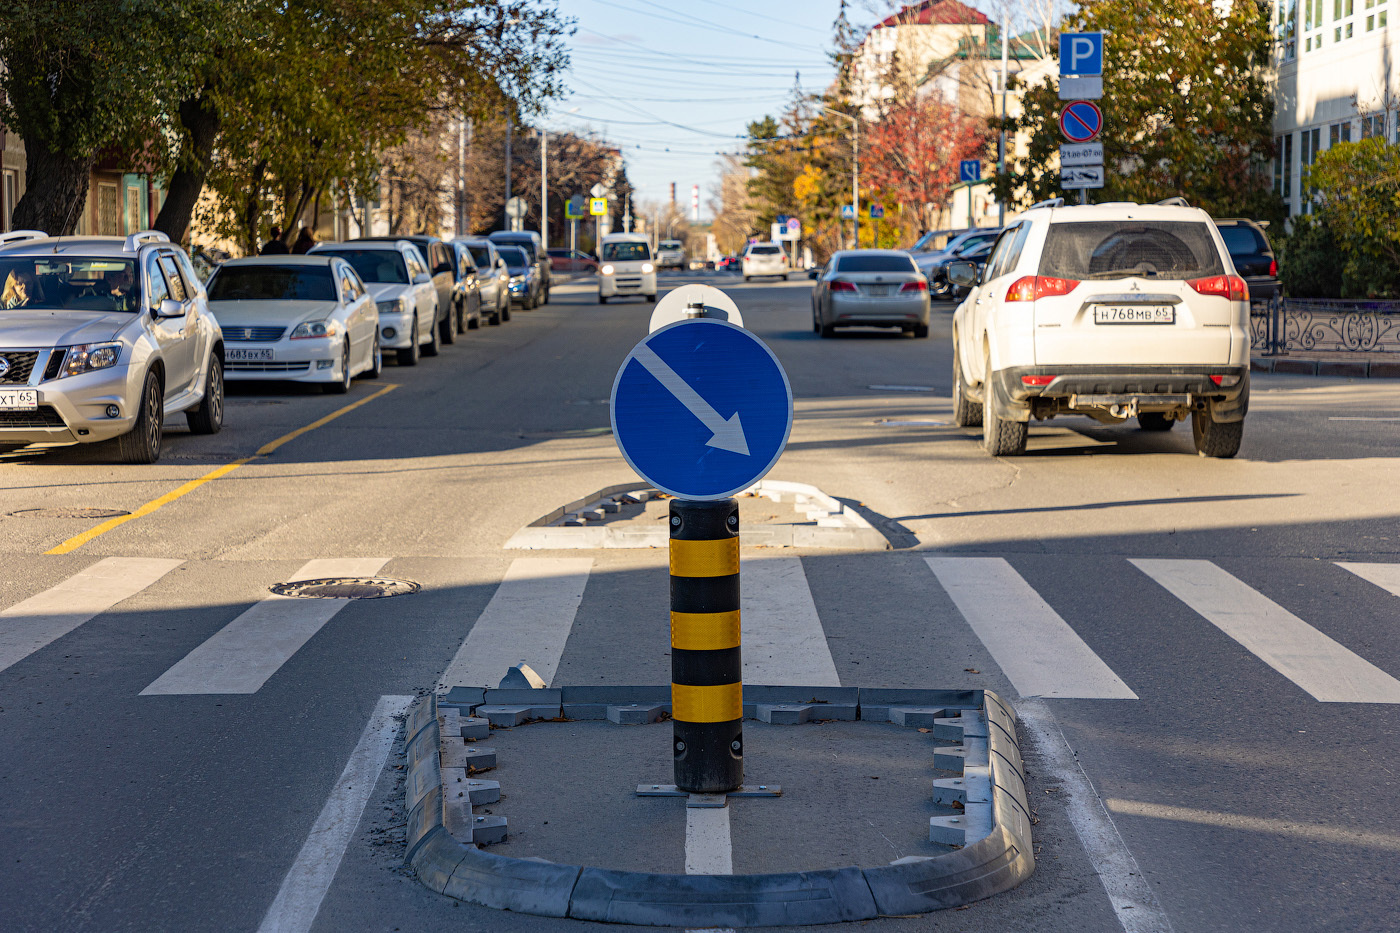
(1142, 380)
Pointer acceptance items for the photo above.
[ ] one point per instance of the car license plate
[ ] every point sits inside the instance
(1134, 314)
(249, 356)
(878, 291)
(19, 399)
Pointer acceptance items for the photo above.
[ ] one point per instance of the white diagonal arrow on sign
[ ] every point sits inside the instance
(728, 433)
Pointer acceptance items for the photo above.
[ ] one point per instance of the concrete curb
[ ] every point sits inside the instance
(1356, 369)
(443, 846)
(567, 527)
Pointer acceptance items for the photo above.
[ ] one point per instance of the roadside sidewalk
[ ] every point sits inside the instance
(1325, 363)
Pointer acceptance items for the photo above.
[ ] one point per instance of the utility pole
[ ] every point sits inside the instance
(544, 187)
(855, 173)
(1001, 143)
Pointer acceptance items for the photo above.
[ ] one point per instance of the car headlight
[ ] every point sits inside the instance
(607, 270)
(89, 356)
(308, 330)
(647, 267)
(395, 306)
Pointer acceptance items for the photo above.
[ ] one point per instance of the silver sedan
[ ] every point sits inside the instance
(870, 288)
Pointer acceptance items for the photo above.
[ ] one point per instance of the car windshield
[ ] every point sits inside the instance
(515, 258)
(272, 283)
(764, 251)
(875, 264)
(671, 244)
(481, 256)
(1242, 240)
(626, 252)
(1114, 249)
(380, 266)
(972, 241)
(924, 243)
(69, 284)
(524, 244)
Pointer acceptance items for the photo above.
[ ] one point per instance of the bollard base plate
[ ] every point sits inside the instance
(746, 790)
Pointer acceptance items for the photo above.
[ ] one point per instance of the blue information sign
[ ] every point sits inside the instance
(701, 409)
(970, 170)
(877, 210)
(1081, 53)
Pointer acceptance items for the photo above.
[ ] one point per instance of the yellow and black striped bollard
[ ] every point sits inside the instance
(707, 691)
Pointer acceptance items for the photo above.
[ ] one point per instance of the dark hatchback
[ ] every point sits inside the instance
(1253, 257)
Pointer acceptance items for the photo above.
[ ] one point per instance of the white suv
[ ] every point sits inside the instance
(1113, 311)
(764, 259)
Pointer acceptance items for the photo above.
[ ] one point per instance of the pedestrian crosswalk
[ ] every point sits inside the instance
(1044, 645)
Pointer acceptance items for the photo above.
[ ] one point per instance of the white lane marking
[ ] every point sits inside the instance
(1386, 576)
(707, 847)
(902, 388)
(1036, 649)
(1359, 418)
(30, 625)
(1325, 669)
(1311, 832)
(305, 886)
(528, 619)
(240, 657)
(783, 639)
(1128, 891)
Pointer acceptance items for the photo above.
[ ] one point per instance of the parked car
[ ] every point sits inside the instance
(970, 244)
(493, 277)
(562, 259)
(870, 287)
(398, 281)
(103, 338)
(301, 318)
(530, 241)
(730, 263)
(764, 259)
(466, 295)
(1113, 311)
(977, 255)
(670, 254)
(524, 281)
(443, 270)
(627, 269)
(1253, 257)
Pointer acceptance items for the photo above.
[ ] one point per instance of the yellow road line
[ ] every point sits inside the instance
(77, 541)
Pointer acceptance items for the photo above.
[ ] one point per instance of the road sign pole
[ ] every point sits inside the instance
(707, 691)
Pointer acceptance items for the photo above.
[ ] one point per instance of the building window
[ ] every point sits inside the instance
(1378, 17)
(1342, 11)
(108, 209)
(1286, 30)
(1283, 166)
(9, 197)
(133, 209)
(1339, 133)
(1373, 125)
(1309, 144)
(1312, 25)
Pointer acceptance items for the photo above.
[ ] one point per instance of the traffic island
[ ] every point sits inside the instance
(894, 802)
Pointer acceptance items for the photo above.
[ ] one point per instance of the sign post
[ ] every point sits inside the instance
(876, 212)
(1081, 120)
(702, 409)
(598, 207)
(969, 173)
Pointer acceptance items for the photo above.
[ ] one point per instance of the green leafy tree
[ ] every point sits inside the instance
(1187, 109)
(1356, 199)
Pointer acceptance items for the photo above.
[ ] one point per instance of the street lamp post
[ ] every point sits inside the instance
(855, 173)
(544, 187)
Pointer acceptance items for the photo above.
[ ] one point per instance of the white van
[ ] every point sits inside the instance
(626, 267)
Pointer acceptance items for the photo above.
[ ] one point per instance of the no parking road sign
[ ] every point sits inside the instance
(701, 409)
(1081, 121)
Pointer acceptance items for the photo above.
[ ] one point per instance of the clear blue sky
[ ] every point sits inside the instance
(675, 83)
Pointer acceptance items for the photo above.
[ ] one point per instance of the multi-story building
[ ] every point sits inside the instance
(897, 52)
(1335, 62)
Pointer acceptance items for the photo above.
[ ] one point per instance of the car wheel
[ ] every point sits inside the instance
(828, 330)
(341, 385)
(208, 418)
(409, 355)
(602, 300)
(1216, 438)
(1000, 437)
(966, 412)
(920, 331)
(505, 312)
(474, 323)
(376, 360)
(447, 330)
(435, 345)
(1155, 421)
(747, 277)
(495, 319)
(142, 443)
(544, 300)
(816, 322)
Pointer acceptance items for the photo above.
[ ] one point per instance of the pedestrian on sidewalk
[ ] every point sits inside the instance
(274, 246)
(305, 240)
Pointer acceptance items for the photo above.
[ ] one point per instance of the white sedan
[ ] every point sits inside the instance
(300, 318)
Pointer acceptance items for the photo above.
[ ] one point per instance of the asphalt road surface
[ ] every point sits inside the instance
(1204, 652)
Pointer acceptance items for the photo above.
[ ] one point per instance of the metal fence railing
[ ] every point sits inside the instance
(1299, 325)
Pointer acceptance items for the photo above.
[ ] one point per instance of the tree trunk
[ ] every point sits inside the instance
(55, 190)
(201, 122)
(252, 210)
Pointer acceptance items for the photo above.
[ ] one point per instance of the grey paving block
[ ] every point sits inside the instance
(457, 783)
(972, 825)
(488, 830)
(638, 714)
(464, 698)
(969, 724)
(511, 696)
(783, 714)
(457, 818)
(957, 757)
(915, 717)
(839, 703)
(458, 754)
(584, 712)
(975, 786)
(506, 717)
(474, 729)
(875, 702)
(522, 885)
(722, 900)
(615, 695)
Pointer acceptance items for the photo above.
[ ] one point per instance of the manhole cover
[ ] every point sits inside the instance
(346, 588)
(68, 513)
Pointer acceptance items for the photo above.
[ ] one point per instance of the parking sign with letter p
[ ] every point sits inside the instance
(1081, 53)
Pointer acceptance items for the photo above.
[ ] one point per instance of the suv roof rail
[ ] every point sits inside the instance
(21, 236)
(1048, 202)
(141, 238)
(1177, 201)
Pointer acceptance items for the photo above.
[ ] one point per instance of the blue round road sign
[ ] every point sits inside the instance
(701, 409)
(1081, 121)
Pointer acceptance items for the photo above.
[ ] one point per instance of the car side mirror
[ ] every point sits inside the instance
(422, 278)
(169, 307)
(962, 273)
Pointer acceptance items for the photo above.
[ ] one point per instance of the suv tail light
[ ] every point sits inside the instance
(1223, 286)
(839, 286)
(1034, 287)
(1273, 268)
(1037, 380)
(1225, 382)
(919, 286)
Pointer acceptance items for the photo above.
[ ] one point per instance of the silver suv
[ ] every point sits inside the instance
(103, 338)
